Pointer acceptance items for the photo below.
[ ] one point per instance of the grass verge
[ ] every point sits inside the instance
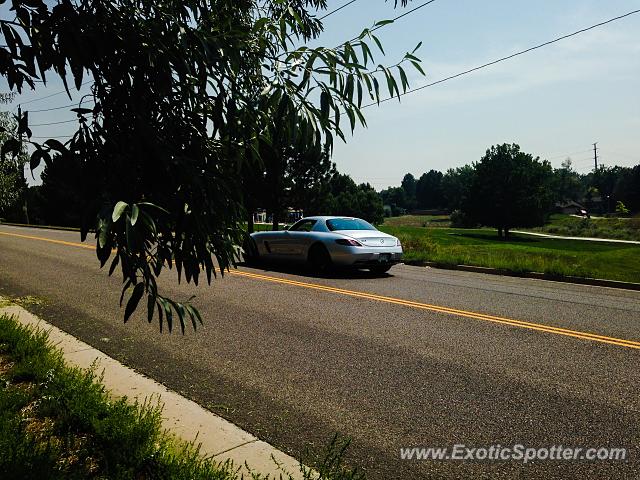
(521, 253)
(59, 422)
(569, 226)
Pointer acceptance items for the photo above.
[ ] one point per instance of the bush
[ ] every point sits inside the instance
(459, 219)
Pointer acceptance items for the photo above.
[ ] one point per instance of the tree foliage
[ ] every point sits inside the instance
(510, 189)
(429, 190)
(455, 186)
(395, 198)
(347, 198)
(184, 96)
(12, 182)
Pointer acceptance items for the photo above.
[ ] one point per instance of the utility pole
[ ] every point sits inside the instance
(595, 155)
(25, 208)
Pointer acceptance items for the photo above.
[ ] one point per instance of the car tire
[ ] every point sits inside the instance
(250, 251)
(380, 269)
(319, 258)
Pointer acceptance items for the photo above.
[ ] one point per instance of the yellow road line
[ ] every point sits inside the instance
(50, 240)
(451, 311)
(398, 301)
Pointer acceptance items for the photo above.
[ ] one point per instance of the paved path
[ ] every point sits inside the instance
(586, 239)
(421, 357)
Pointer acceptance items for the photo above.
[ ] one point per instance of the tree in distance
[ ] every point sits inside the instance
(429, 190)
(510, 189)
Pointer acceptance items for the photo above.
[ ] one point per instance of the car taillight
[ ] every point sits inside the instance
(348, 242)
(398, 244)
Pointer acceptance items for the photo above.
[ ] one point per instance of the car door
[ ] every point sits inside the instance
(271, 244)
(297, 239)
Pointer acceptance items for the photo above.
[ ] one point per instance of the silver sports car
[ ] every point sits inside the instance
(324, 242)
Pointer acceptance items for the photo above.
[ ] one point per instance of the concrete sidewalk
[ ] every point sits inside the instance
(219, 438)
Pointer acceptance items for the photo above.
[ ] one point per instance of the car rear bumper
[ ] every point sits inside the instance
(366, 257)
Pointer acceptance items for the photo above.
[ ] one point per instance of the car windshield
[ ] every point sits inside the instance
(348, 224)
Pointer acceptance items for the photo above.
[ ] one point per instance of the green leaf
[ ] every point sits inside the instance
(151, 303)
(134, 214)
(403, 78)
(378, 43)
(180, 311)
(102, 231)
(349, 88)
(168, 313)
(118, 210)
(153, 205)
(192, 316)
(417, 66)
(130, 234)
(376, 89)
(132, 304)
(82, 111)
(55, 145)
(114, 264)
(324, 105)
(160, 314)
(382, 23)
(36, 158)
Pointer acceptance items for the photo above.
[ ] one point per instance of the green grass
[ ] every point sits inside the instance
(521, 253)
(59, 422)
(568, 226)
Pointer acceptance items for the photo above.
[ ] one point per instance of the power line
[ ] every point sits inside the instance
(55, 108)
(53, 123)
(626, 155)
(337, 9)
(53, 94)
(409, 12)
(54, 138)
(567, 154)
(393, 20)
(522, 52)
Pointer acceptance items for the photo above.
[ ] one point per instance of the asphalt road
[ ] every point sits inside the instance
(419, 357)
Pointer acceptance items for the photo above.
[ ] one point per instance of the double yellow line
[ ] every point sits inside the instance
(397, 301)
(451, 311)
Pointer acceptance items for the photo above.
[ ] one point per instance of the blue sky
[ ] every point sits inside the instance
(554, 102)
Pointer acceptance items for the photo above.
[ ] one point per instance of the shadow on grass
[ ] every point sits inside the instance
(306, 271)
(513, 238)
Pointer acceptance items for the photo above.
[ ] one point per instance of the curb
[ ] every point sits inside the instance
(218, 438)
(44, 227)
(596, 282)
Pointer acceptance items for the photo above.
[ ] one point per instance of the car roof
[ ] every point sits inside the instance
(324, 218)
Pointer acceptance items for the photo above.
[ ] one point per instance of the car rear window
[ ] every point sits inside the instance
(348, 224)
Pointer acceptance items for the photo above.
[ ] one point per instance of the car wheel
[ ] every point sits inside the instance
(380, 269)
(319, 258)
(250, 251)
